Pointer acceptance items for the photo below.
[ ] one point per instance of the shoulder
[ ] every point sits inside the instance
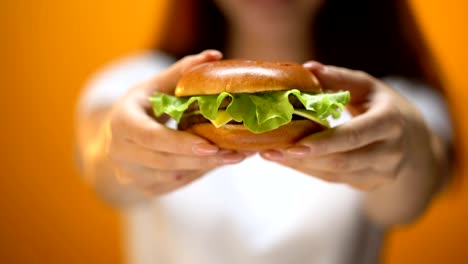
(133, 66)
(113, 80)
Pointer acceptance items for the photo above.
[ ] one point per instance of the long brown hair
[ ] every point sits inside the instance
(379, 37)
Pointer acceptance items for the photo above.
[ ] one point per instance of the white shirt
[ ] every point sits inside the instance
(255, 212)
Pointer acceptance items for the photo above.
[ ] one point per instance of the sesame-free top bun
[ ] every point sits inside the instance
(245, 76)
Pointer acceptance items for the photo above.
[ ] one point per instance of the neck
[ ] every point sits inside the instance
(291, 46)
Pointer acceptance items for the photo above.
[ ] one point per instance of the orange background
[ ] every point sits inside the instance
(48, 49)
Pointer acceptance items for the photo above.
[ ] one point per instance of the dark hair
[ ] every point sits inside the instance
(378, 37)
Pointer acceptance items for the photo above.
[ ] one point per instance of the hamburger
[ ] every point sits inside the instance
(250, 105)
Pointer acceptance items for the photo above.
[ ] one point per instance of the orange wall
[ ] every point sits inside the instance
(47, 50)
(441, 236)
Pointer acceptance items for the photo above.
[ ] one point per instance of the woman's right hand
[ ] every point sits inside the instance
(148, 155)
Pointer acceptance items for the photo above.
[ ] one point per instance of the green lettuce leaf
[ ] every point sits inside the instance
(260, 112)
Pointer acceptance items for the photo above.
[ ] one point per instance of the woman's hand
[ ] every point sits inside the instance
(369, 150)
(386, 148)
(150, 156)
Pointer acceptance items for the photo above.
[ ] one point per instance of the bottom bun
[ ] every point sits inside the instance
(232, 136)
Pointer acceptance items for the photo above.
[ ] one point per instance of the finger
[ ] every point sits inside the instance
(363, 179)
(158, 188)
(248, 153)
(133, 124)
(358, 83)
(276, 155)
(357, 109)
(380, 156)
(130, 153)
(377, 124)
(366, 179)
(167, 80)
(144, 176)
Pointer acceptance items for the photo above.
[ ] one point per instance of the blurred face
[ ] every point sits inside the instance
(268, 16)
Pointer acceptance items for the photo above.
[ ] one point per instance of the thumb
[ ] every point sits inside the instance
(358, 83)
(166, 81)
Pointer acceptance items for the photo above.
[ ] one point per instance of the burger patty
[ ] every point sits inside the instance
(295, 102)
(194, 106)
(189, 119)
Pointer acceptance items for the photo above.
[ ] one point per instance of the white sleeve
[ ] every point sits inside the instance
(113, 81)
(428, 101)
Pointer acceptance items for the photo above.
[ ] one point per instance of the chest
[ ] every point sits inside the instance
(262, 209)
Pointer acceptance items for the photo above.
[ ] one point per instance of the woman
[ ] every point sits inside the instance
(316, 202)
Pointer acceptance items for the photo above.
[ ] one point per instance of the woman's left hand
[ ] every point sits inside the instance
(387, 139)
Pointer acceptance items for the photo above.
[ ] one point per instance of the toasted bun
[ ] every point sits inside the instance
(232, 136)
(244, 76)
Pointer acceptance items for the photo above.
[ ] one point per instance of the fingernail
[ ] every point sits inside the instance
(248, 153)
(314, 65)
(204, 149)
(298, 151)
(230, 157)
(273, 155)
(213, 53)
